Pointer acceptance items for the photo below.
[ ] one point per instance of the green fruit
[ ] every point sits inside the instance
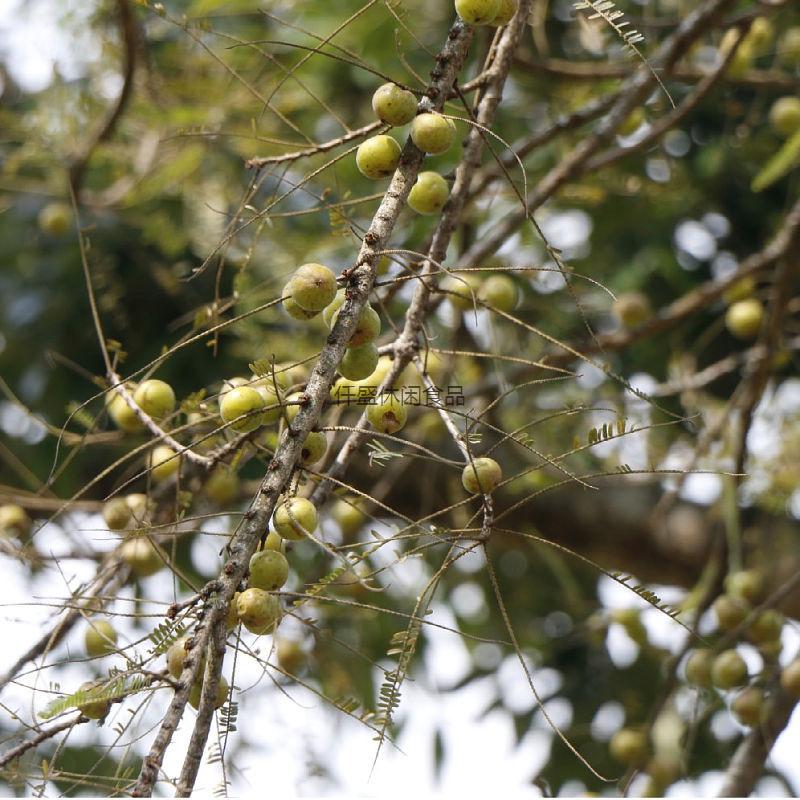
(177, 654)
(632, 122)
(140, 508)
(14, 521)
(432, 133)
(771, 649)
(761, 34)
(232, 617)
(100, 638)
(155, 398)
(269, 570)
(258, 610)
(462, 289)
(333, 307)
(698, 668)
(274, 542)
(368, 327)
(378, 157)
(222, 486)
(730, 611)
(163, 463)
(747, 585)
(766, 627)
(292, 405)
(314, 448)
(506, 13)
(748, 707)
(313, 286)
(55, 219)
(477, 12)
(500, 292)
(629, 747)
(196, 692)
(632, 309)
(359, 362)
(348, 515)
(238, 407)
(429, 194)
(739, 290)
(117, 514)
(481, 476)
(93, 709)
(743, 319)
(290, 654)
(631, 621)
(295, 518)
(790, 679)
(294, 310)
(142, 556)
(728, 670)
(784, 116)
(272, 399)
(393, 105)
(788, 49)
(121, 414)
(388, 415)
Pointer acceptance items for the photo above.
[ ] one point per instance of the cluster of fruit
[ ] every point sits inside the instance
(758, 43)
(469, 288)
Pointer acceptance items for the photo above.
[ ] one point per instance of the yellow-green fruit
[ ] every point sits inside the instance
(177, 654)
(292, 405)
(239, 407)
(274, 542)
(743, 57)
(93, 709)
(766, 627)
(142, 557)
(477, 12)
(378, 157)
(728, 670)
(771, 649)
(100, 638)
(630, 747)
(272, 399)
(747, 585)
(505, 13)
(730, 611)
(790, 679)
(748, 707)
(432, 133)
(313, 286)
(314, 448)
(295, 518)
(333, 307)
(345, 391)
(368, 327)
(117, 514)
(163, 463)
(388, 415)
(348, 515)
(500, 292)
(429, 194)
(359, 362)
(196, 692)
(784, 116)
(481, 476)
(393, 105)
(698, 668)
(55, 219)
(222, 486)
(269, 570)
(258, 610)
(408, 376)
(155, 398)
(14, 521)
(743, 319)
(664, 769)
(789, 47)
(232, 617)
(293, 310)
(761, 34)
(291, 657)
(121, 414)
(140, 507)
(631, 621)
(632, 309)
(289, 374)
(739, 290)
(632, 122)
(462, 289)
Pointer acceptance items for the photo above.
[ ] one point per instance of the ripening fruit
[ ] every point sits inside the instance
(698, 668)
(140, 508)
(14, 521)
(784, 116)
(477, 12)
(222, 486)
(100, 638)
(748, 707)
(163, 462)
(93, 709)
(196, 691)
(269, 570)
(117, 514)
(258, 610)
(155, 398)
(313, 286)
(743, 57)
(295, 518)
(359, 362)
(333, 307)
(632, 122)
(790, 679)
(348, 515)
(766, 627)
(275, 542)
(407, 377)
(505, 14)
(378, 157)
(730, 611)
(462, 289)
(290, 655)
(500, 292)
(232, 617)
(294, 310)
(432, 133)
(388, 415)
(743, 319)
(747, 585)
(314, 448)
(629, 747)
(761, 34)
(429, 194)
(121, 414)
(393, 105)
(291, 406)
(367, 329)
(739, 290)
(481, 476)
(176, 657)
(728, 670)
(142, 556)
(632, 309)
(237, 407)
(55, 218)
(272, 401)
(788, 48)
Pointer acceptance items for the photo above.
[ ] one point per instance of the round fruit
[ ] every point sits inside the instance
(292, 405)
(313, 286)
(766, 627)
(333, 307)
(176, 657)
(432, 133)
(761, 34)
(631, 621)
(789, 47)
(155, 398)
(477, 12)
(232, 617)
(55, 219)
(14, 521)
(500, 292)
(784, 116)
(290, 655)
(730, 611)
(368, 327)
(269, 570)
(747, 585)
(481, 476)
(393, 105)
(632, 122)
(238, 407)
(790, 679)
(100, 638)
(629, 747)
(771, 649)
(739, 290)
(272, 400)
(462, 289)
(359, 362)
(142, 556)
(93, 709)
(632, 309)
(121, 414)
(698, 668)
(728, 670)
(295, 518)
(748, 707)
(117, 514)
(222, 486)
(429, 194)
(258, 610)
(314, 448)
(196, 691)
(348, 515)
(378, 157)
(506, 13)
(163, 463)
(388, 415)
(140, 508)
(294, 310)
(743, 319)
(274, 542)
